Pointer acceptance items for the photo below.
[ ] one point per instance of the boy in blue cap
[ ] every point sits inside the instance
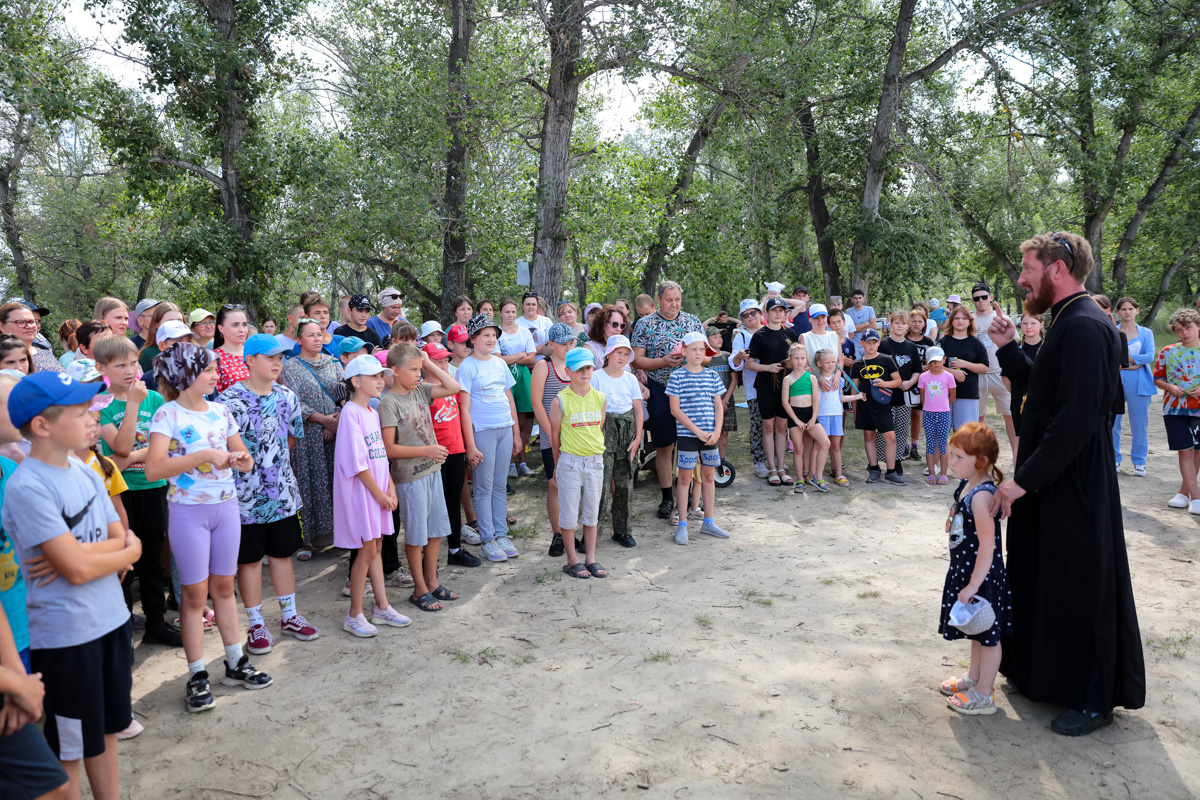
(80, 632)
(269, 419)
(577, 436)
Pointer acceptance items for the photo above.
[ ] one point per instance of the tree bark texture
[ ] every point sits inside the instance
(454, 202)
(881, 140)
(1164, 285)
(9, 178)
(818, 209)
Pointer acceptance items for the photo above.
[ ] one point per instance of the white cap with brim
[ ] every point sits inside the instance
(171, 329)
(935, 354)
(817, 310)
(362, 365)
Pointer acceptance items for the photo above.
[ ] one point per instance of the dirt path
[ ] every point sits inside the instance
(799, 659)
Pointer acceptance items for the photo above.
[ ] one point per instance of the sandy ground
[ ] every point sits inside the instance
(798, 659)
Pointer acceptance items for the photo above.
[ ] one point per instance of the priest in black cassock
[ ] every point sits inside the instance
(1075, 637)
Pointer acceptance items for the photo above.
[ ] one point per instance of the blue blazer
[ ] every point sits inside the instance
(1144, 359)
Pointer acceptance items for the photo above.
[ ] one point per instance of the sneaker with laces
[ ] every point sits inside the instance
(681, 534)
(359, 626)
(873, 475)
(1178, 501)
(894, 477)
(512, 470)
(368, 591)
(761, 470)
(462, 559)
(389, 616)
(470, 535)
(508, 547)
(492, 551)
(199, 693)
(556, 545)
(1139, 471)
(712, 529)
(525, 471)
(245, 674)
(402, 575)
(298, 626)
(134, 730)
(259, 640)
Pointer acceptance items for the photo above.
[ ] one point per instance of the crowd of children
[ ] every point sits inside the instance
(422, 427)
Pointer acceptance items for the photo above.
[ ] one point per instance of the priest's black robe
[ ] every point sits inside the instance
(1075, 635)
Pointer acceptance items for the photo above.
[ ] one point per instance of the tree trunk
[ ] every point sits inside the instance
(881, 139)
(1143, 206)
(817, 207)
(660, 248)
(996, 250)
(1164, 285)
(581, 279)
(454, 238)
(565, 29)
(9, 171)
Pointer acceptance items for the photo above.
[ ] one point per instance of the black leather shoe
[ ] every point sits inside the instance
(556, 546)
(624, 539)
(665, 508)
(462, 559)
(161, 633)
(1079, 723)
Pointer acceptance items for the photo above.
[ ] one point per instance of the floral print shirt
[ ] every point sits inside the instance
(268, 492)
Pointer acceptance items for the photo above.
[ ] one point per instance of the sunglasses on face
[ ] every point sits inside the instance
(612, 323)
(980, 297)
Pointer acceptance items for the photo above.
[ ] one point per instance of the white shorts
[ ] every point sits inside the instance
(580, 481)
(992, 385)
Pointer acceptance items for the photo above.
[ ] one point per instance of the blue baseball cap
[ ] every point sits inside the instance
(580, 357)
(748, 304)
(561, 333)
(263, 344)
(34, 393)
(352, 344)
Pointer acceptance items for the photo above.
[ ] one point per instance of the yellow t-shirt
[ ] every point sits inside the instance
(116, 484)
(580, 433)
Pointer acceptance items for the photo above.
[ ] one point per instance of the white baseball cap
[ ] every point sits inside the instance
(935, 354)
(362, 365)
(171, 329)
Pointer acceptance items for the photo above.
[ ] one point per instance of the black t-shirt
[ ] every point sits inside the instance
(908, 361)
(866, 370)
(726, 329)
(968, 349)
(922, 346)
(369, 335)
(771, 347)
(1031, 350)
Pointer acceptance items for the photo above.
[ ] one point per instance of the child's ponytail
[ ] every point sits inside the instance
(106, 464)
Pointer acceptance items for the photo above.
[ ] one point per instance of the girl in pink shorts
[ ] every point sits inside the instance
(195, 446)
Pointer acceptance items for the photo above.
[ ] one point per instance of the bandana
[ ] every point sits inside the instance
(182, 364)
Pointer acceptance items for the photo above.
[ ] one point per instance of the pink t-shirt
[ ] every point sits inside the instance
(937, 390)
(357, 517)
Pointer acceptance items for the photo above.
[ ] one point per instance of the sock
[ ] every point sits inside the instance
(682, 523)
(287, 606)
(667, 495)
(709, 521)
(195, 666)
(455, 549)
(254, 615)
(233, 654)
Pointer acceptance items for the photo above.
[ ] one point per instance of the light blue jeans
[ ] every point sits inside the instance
(490, 480)
(1138, 406)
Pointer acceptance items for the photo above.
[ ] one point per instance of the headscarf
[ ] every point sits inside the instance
(182, 364)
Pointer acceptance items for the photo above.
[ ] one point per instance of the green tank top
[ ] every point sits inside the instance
(801, 387)
(581, 434)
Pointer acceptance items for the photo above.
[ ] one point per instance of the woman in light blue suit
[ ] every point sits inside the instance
(1138, 381)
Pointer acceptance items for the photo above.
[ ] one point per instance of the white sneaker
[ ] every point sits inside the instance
(507, 546)
(368, 592)
(1194, 507)
(1178, 501)
(493, 552)
(1139, 472)
(525, 470)
(760, 470)
(470, 535)
(512, 470)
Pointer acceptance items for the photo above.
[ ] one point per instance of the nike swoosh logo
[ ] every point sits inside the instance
(74, 519)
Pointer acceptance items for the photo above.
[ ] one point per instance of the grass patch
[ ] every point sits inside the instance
(831, 580)
(521, 661)
(750, 594)
(660, 655)
(703, 621)
(460, 655)
(871, 593)
(547, 575)
(764, 601)
(1177, 645)
(523, 532)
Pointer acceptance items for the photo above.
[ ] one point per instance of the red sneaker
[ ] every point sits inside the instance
(258, 640)
(298, 626)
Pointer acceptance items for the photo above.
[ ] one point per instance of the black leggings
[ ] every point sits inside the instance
(454, 474)
(147, 510)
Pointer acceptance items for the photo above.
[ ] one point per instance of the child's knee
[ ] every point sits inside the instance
(221, 587)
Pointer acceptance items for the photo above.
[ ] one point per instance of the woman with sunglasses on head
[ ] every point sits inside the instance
(317, 308)
(16, 319)
(517, 350)
(538, 325)
(232, 329)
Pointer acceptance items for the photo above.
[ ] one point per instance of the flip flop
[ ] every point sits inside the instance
(443, 594)
(577, 571)
(424, 602)
(595, 568)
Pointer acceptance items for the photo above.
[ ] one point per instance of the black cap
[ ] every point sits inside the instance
(360, 302)
(41, 311)
(775, 302)
(800, 288)
(980, 287)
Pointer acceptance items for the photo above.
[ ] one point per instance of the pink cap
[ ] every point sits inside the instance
(381, 354)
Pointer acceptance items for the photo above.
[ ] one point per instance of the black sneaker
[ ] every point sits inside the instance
(665, 508)
(462, 559)
(159, 632)
(914, 454)
(579, 545)
(199, 695)
(873, 475)
(556, 546)
(624, 539)
(508, 487)
(246, 675)
(894, 477)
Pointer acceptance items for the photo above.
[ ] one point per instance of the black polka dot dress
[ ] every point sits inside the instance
(964, 545)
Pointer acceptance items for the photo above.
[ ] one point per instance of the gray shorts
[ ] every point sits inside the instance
(423, 510)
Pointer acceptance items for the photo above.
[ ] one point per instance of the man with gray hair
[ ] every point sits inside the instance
(658, 348)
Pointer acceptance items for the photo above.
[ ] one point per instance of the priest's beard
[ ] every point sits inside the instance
(1041, 297)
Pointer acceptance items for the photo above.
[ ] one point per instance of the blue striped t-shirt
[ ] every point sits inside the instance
(695, 391)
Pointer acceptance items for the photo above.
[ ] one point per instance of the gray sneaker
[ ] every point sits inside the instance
(894, 477)
(712, 529)
(470, 535)
(493, 552)
(681, 534)
(508, 547)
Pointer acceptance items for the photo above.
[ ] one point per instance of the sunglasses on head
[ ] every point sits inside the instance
(306, 320)
(528, 295)
(393, 297)
(233, 307)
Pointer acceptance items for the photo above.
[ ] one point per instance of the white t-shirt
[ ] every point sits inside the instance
(190, 432)
(741, 341)
(931, 329)
(814, 341)
(982, 321)
(519, 342)
(486, 382)
(539, 328)
(620, 392)
(285, 340)
(830, 404)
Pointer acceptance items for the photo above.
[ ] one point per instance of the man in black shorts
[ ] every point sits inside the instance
(877, 377)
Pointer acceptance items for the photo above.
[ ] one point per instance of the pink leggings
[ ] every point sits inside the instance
(204, 539)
